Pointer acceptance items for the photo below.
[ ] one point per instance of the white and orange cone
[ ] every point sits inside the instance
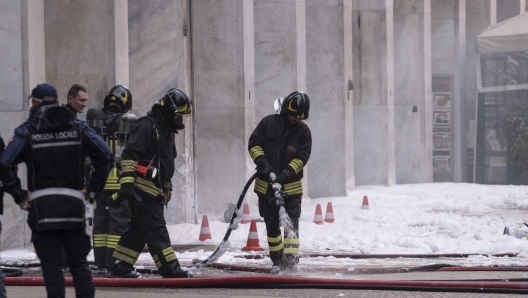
(253, 240)
(205, 233)
(318, 218)
(329, 216)
(365, 204)
(246, 218)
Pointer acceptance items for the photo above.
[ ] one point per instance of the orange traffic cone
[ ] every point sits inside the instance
(253, 240)
(365, 204)
(329, 216)
(318, 218)
(245, 215)
(205, 233)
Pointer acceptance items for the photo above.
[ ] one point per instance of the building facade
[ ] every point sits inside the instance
(392, 83)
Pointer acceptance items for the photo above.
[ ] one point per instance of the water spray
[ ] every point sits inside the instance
(283, 215)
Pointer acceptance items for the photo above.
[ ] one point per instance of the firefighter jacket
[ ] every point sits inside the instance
(54, 145)
(286, 147)
(150, 145)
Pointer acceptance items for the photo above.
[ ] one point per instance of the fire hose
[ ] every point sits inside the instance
(267, 281)
(221, 248)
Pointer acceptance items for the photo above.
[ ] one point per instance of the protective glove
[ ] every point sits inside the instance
(265, 167)
(281, 179)
(127, 191)
(114, 199)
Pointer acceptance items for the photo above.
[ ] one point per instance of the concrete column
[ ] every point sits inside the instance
(493, 12)
(249, 77)
(22, 44)
(348, 86)
(522, 6)
(121, 42)
(413, 100)
(459, 124)
(373, 52)
(222, 77)
(389, 93)
(249, 89)
(428, 75)
(329, 67)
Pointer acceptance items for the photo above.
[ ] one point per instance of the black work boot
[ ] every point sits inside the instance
(276, 258)
(289, 263)
(122, 270)
(174, 270)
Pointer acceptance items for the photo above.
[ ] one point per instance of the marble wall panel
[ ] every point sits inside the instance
(507, 9)
(408, 67)
(372, 51)
(407, 6)
(443, 46)
(80, 47)
(409, 91)
(324, 52)
(370, 145)
(275, 53)
(363, 5)
(220, 125)
(477, 10)
(443, 9)
(156, 50)
(408, 143)
(11, 74)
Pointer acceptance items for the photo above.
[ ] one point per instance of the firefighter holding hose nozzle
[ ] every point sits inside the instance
(280, 146)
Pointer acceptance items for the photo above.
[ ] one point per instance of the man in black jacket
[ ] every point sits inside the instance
(147, 166)
(280, 146)
(77, 99)
(54, 145)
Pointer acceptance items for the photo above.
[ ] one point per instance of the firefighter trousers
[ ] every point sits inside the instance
(110, 222)
(147, 226)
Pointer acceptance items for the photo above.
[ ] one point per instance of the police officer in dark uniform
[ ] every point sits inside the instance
(280, 146)
(111, 216)
(54, 145)
(147, 167)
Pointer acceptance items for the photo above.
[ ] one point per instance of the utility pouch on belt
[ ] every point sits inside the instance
(149, 171)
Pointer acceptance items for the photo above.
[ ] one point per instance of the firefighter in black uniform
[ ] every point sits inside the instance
(147, 167)
(54, 145)
(111, 216)
(280, 146)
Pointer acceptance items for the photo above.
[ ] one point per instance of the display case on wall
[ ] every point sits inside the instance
(442, 128)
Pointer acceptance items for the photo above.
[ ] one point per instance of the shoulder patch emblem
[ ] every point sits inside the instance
(292, 148)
